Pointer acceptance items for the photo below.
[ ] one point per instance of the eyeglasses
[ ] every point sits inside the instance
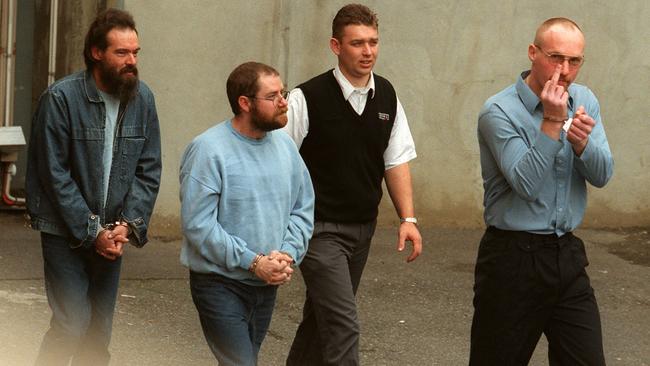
(558, 59)
(283, 95)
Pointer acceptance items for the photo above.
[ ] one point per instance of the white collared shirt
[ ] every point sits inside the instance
(401, 148)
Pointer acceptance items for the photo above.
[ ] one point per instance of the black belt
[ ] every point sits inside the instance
(532, 238)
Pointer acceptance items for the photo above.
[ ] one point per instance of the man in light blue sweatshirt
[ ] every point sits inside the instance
(247, 209)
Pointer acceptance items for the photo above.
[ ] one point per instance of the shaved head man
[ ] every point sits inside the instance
(541, 142)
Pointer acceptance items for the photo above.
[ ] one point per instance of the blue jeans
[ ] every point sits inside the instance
(234, 316)
(81, 289)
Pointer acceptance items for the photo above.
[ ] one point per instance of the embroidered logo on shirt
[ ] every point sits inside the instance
(383, 116)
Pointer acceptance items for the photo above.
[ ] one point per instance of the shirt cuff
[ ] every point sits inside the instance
(95, 223)
(247, 259)
(587, 152)
(289, 250)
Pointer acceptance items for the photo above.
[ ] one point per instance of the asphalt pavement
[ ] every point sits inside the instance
(411, 314)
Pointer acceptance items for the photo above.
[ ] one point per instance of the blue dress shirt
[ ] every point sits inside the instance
(532, 182)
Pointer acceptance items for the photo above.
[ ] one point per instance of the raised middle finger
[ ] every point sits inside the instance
(556, 74)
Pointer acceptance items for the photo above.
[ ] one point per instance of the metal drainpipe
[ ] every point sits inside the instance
(54, 15)
(9, 55)
(9, 168)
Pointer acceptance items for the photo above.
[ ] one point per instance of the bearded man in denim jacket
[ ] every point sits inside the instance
(92, 178)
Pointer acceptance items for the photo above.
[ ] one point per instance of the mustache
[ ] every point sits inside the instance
(131, 69)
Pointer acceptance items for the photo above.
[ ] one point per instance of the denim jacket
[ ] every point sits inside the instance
(65, 171)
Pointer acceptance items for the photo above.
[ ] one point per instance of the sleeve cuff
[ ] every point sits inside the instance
(247, 259)
(94, 228)
(403, 159)
(290, 250)
(587, 152)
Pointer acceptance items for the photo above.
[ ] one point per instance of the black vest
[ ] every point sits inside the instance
(343, 151)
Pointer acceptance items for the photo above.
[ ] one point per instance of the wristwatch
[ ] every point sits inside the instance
(412, 220)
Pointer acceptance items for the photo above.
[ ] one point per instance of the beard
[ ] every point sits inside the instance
(118, 83)
(266, 124)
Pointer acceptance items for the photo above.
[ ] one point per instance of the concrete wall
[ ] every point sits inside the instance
(444, 58)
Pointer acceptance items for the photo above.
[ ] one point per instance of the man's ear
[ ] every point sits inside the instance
(244, 103)
(532, 52)
(96, 53)
(335, 46)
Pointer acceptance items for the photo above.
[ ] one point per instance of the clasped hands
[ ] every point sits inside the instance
(274, 268)
(554, 98)
(110, 242)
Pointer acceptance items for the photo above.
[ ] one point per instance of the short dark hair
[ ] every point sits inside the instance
(243, 82)
(356, 14)
(104, 23)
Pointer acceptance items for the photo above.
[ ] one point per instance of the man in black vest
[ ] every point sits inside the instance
(352, 132)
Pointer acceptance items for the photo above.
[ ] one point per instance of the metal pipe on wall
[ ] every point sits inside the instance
(3, 57)
(54, 15)
(9, 170)
(9, 55)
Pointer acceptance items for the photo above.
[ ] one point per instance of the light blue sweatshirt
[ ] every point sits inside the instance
(240, 197)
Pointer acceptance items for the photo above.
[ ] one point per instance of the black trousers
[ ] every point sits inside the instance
(528, 284)
(332, 268)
